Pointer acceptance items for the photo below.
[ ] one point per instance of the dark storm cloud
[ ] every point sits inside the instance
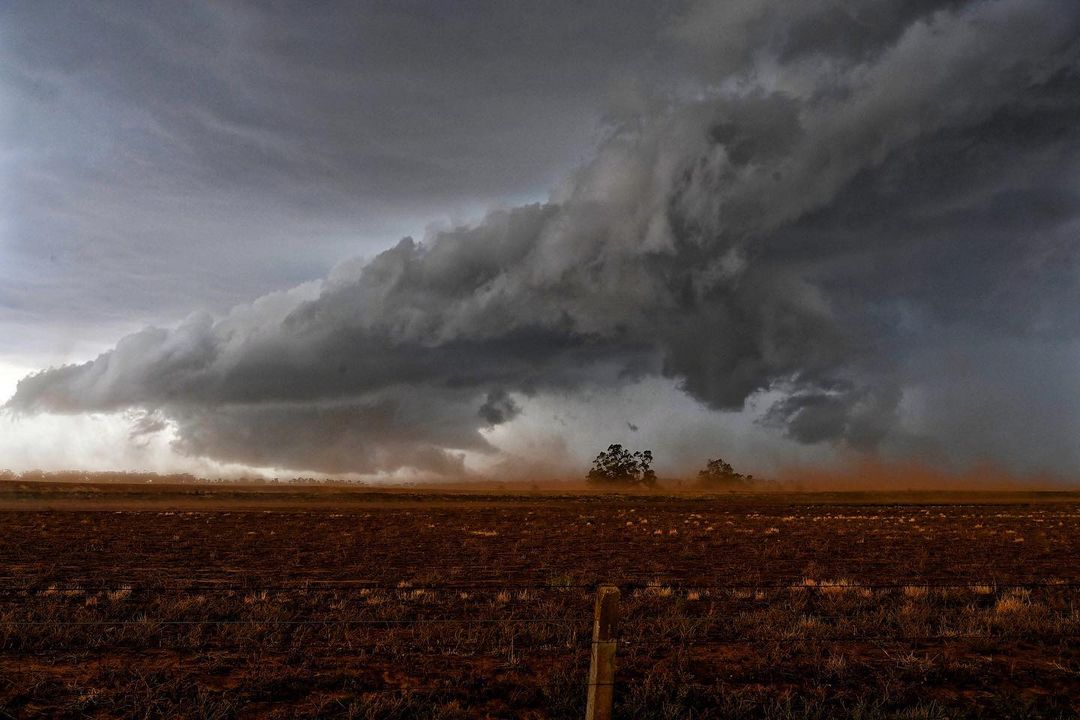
(499, 408)
(378, 433)
(840, 192)
(164, 145)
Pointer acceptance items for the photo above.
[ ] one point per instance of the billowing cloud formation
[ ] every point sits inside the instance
(840, 195)
(149, 151)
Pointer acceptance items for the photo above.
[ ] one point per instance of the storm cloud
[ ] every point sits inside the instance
(833, 199)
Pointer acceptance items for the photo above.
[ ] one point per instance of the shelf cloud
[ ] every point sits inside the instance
(852, 209)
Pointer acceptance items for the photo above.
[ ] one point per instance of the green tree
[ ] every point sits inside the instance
(619, 466)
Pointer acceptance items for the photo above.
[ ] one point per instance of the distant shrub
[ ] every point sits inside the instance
(720, 473)
(619, 466)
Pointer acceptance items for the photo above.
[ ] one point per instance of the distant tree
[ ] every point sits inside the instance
(619, 466)
(720, 473)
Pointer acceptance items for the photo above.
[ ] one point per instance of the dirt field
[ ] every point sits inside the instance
(319, 603)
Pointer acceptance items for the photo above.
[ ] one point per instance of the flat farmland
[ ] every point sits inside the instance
(313, 603)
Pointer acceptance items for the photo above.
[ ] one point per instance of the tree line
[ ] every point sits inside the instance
(621, 466)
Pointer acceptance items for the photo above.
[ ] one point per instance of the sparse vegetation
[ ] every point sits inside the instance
(619, 466)
(741, 607)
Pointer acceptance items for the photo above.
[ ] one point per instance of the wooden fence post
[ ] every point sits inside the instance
(602, 660)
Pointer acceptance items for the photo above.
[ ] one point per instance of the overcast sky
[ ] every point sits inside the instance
(160, 158)
(788, 232)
